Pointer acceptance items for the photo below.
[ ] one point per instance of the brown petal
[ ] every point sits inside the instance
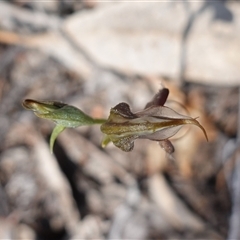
(167, 146)
(123, 110)
(159, 99)
(126, 144)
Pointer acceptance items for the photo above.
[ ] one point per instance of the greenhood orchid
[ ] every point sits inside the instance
(156, 122)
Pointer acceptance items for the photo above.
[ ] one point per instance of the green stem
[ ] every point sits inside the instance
(98, 120)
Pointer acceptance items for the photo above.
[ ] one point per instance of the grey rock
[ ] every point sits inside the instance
(195, 41)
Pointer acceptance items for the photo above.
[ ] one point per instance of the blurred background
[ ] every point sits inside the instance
(94, 55)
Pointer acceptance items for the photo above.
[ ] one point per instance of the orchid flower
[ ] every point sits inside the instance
(156, 122)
